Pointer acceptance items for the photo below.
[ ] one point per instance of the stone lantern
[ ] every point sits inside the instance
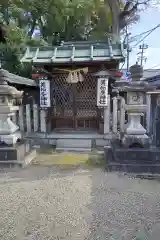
(9, 133)
(133, 152)
(136, 108)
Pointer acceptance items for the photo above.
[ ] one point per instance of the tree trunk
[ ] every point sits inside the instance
(30, 33)
(115, 9)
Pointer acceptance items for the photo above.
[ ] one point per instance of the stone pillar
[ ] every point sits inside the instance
(135, 107)
(9, 133)
(35, 117)
(148, 113)
(107, 113)
(43, 125)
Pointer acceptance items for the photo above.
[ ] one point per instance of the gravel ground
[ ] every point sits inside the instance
(48, 203)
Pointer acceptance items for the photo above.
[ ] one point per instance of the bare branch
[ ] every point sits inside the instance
(130, 9)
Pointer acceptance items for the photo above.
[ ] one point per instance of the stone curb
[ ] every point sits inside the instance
(144, 176)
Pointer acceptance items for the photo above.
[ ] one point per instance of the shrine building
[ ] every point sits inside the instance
(75, 86)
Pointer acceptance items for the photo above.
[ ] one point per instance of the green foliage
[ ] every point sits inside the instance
(58, 20)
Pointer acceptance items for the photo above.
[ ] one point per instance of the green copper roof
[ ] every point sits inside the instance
(74, 52)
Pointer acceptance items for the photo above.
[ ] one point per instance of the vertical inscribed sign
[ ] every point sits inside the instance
(102, 92)
(45, 100)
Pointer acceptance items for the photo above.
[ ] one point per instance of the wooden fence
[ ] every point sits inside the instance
(30, 118)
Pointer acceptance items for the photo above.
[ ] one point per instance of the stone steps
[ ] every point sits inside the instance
(53, 140)
(78, 150)
(74, 145)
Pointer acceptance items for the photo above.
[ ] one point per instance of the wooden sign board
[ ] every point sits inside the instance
(102, 92)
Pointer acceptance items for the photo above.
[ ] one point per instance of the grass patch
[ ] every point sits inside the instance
(96, 160)
(61, 159)
(65, 159)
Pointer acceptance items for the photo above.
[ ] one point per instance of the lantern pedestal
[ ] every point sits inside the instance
(132, 160)
(20, 154)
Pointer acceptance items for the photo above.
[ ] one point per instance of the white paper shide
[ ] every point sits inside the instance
(102, 92)
(45, 101)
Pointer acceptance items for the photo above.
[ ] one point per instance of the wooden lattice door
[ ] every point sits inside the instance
(74, 104)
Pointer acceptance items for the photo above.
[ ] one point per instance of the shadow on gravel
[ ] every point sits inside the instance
(119, 206)
(123, 208)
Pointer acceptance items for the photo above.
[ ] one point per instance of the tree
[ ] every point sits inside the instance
(66, 20)
(60, 20)
(12, 46)
(123, 14)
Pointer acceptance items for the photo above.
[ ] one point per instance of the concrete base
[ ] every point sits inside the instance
(73, 141)
(132, 160)
(21, 153)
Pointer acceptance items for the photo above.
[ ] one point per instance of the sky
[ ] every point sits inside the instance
(148, 20)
